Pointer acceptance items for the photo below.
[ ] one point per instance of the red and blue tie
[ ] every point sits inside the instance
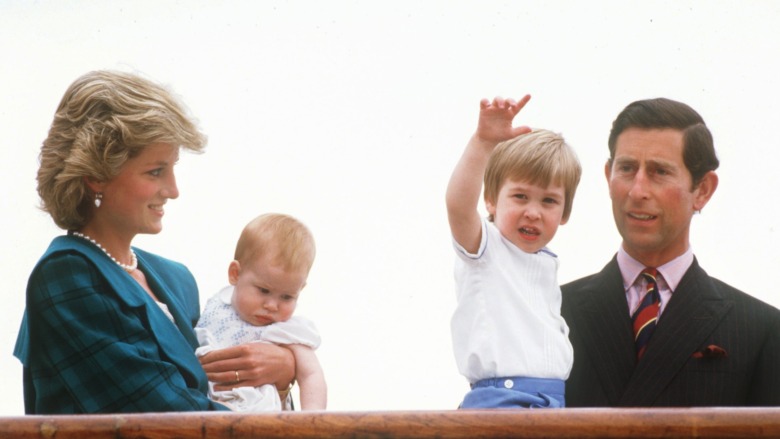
(646, 316)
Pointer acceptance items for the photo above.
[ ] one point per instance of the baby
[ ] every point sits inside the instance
(272, 261)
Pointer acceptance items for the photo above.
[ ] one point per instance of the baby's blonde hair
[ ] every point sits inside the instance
(282, 238)
(541, 158)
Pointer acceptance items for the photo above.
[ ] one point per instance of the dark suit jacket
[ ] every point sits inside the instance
(92, 340)
(674, 371)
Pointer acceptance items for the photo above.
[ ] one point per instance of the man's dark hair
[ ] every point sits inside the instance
(698, 147)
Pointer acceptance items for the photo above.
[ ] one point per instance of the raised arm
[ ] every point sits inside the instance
(311, 380)
(465, 186)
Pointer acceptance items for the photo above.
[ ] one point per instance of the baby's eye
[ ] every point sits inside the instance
(288, 298)
(520, 196)
(264, 290)
(551, 200)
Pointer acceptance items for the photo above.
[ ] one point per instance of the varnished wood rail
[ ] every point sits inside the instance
(564, 423)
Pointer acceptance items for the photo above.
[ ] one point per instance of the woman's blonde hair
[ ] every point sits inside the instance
(282, 238)
(104, 119)
(541, 157)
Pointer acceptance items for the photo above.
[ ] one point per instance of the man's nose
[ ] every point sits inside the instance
(639, 187)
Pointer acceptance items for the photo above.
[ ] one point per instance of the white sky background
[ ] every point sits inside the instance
(350, 115)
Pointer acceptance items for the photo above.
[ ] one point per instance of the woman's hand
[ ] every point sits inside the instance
(251, 364)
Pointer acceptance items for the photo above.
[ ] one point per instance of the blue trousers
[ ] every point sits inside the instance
(515, 392)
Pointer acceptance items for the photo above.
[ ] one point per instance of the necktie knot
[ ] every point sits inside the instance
(650, 274)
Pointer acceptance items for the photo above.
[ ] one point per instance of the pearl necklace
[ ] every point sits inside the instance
(128, 268)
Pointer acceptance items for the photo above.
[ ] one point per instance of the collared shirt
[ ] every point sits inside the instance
(635, 285)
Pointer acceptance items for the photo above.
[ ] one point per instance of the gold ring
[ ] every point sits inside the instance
(237, 377)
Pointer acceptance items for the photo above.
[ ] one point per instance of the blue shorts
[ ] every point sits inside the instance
(516, 392)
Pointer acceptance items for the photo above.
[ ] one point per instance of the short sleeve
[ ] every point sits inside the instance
(464, 254)
(297, 330)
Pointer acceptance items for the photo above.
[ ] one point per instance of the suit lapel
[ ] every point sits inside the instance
(177, 342)
(605, 328)
(693, 312)
(164, 293)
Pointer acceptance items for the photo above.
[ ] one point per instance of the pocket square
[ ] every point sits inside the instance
(711, 351)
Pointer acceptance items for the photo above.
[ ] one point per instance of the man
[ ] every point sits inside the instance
(709, 344)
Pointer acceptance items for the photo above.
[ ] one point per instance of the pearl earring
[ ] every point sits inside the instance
(98, 198)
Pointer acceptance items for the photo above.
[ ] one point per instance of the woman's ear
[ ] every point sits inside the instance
(94, 184)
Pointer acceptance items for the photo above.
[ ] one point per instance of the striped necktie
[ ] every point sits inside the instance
(645, 317)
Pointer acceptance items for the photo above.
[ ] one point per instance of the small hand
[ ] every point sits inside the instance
(495, 119)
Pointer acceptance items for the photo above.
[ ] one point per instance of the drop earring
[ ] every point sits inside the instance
(98, 198)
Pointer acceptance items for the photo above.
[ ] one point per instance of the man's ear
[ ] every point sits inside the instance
(608, 170)
(704, 190)
(233, 271)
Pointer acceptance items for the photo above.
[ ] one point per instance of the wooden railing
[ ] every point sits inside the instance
(565, 423)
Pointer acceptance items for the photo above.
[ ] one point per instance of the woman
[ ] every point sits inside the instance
(108, 327)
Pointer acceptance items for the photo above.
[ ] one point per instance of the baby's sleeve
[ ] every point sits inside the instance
(297, 330)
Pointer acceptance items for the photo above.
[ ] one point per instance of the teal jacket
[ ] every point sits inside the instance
(93, 341)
